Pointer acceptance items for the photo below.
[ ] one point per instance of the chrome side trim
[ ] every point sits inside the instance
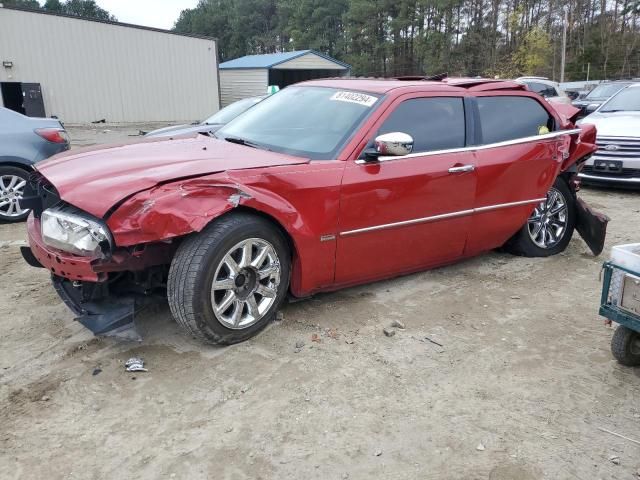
(507, 205)
(517, 141)
(443, 216)
(433, 218)
(609, 179)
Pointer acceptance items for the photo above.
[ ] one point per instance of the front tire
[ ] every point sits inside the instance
(12, 183)
(227, 282)
(550, 227)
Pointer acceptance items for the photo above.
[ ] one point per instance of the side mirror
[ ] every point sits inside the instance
(393, 143)
(592, 107)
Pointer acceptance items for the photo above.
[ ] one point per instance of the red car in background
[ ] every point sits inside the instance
(324, 185)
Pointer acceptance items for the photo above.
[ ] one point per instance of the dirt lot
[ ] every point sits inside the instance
(518, 390)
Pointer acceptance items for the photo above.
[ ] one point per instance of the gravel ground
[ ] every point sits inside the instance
(518, 387)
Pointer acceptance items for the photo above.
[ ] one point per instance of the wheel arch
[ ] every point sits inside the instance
(149, 217)
(296, 260)
(16, 163)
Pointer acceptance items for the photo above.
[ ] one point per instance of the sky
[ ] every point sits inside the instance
(150, 13)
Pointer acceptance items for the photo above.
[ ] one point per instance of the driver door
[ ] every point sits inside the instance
(402, 214)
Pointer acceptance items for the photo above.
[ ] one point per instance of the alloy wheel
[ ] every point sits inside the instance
(245, 284)
(548, 222)
(11, 191)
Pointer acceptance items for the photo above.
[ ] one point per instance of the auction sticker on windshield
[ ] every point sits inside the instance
(354, 97)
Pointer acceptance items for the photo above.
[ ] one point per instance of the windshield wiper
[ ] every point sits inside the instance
(241, 141)
(246, 143)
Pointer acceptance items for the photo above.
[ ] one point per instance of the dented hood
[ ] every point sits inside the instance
(95, 179)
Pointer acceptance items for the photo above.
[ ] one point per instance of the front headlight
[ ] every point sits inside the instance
(73, 231)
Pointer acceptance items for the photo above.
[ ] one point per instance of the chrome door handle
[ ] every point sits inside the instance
(463, 168)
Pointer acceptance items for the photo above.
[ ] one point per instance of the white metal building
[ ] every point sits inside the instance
(84, 70)
(250, 76)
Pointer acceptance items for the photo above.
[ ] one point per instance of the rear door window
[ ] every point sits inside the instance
(508, 118)
(435, 123)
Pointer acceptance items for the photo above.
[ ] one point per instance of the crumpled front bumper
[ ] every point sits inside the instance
(99, 292)
(57, 262)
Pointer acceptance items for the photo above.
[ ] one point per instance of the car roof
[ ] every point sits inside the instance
(542, 80)
(385, 85)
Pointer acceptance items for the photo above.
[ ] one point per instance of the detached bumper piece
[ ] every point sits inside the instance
(98, 311)
(592, 226)
(30, 258)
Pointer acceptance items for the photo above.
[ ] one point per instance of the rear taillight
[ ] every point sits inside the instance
(54, 135)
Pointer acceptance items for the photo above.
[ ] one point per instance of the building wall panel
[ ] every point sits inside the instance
(242, 83)
(91, 70)
(309, 61)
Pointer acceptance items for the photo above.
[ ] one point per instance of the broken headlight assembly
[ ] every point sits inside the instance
(71, 230)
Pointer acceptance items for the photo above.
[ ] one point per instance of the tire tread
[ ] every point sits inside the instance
(12, 170)
(187, 265)
(620, 346)
(521, 244)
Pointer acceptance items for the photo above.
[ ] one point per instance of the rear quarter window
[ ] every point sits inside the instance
(509, 118)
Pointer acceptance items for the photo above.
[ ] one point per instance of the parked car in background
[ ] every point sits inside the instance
(546, 88)
(572, 94)
(211, 124)
(24, 141)
(327, 184)
(596, 97)
(617, 160)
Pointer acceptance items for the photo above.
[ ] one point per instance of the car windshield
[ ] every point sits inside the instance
(628, 100)
(313, 122)
(605, 91)
(230, 112)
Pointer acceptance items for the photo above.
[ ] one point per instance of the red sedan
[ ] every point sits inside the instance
(324, 185)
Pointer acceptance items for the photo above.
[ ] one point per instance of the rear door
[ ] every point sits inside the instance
(33, 102)
(517, 160)
(399, 214)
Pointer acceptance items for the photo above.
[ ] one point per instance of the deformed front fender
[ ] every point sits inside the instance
(171, 210)
(308, 213)
(187, 206)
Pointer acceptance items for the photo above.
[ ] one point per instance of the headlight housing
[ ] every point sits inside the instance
(71, 230)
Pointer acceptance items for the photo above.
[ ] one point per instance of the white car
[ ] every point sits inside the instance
(617, 121)
(546, 88)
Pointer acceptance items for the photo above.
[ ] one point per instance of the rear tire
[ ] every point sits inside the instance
(550, 227)
(227, 282)
(625, 346)
(12, 183)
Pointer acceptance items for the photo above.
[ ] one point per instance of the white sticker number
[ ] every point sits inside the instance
(353, 97)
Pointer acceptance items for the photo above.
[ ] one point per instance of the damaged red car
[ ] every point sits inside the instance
(324, 185)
